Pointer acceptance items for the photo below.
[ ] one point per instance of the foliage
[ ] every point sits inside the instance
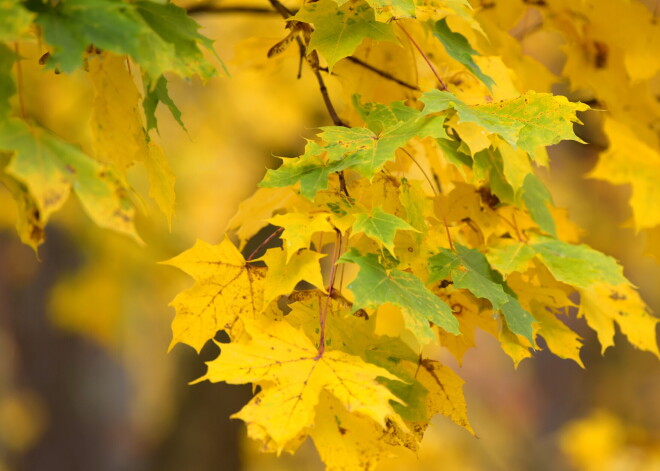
(419, 212)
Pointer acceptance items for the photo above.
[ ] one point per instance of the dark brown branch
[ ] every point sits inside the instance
(382, 73)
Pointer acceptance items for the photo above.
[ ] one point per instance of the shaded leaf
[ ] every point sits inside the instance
(458, 47)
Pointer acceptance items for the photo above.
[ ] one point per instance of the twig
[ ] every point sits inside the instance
(443, 85)
(382, 73)
(268, 239)
(324, 312)
(422, 169)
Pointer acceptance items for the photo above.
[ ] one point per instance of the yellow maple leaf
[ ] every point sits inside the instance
(629, 160)
(116, 124)
(253, 213)
(561, 340)
(299, 229)
(161, 181)
(226, 289)
(602, 304)
(284, 274)
(347, 441)
(470, 314)
(445, 392)
(286, 364)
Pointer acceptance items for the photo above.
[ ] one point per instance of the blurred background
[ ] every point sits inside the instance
(86, 382)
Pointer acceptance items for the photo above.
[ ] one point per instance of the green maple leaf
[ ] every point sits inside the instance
(157, 93)
(529, 121)
(469, 269)
(356, 148)
(338, 31)
(160, 37)
(489, 166)
(577, 265)
(537, 198)
(14, 20)
(378, 117)
(50, 168)
(374, 286)
(381, 226)
(73, 25)
(458, 47)
(173, 25)
(311, 171)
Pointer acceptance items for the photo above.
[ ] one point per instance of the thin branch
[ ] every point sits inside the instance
(326, 99)
(382, 73)
(324, 312)
(422, 169)
(268, 239)
(281, 9)
(443, 85)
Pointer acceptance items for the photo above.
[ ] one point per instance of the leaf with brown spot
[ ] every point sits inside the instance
(286, 364)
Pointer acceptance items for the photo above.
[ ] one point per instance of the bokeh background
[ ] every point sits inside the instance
(86, 382)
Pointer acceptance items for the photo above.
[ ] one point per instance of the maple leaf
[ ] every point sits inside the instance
(292, 375)
(14, 21)
(629, 160)
(226, 289)
(561, 340)
(537, 197)
(160, 37)
(469, 269)
(118, 135)
(50, 168)
(575, 265)
(602, 304)
(285, 272)
(356, 148)
(339, 30)
(375, 286)
(387, 9)
(458, 47)
(253, 213)
(29, 225)
(157, 92)
(530, 121)
(299, 228)
(381, 226)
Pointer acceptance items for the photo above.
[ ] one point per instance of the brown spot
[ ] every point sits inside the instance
(342, 430)
(602, 53)
(43, 59)
(617, 296)
(457, 309)
(445, 283)
(410, 249)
